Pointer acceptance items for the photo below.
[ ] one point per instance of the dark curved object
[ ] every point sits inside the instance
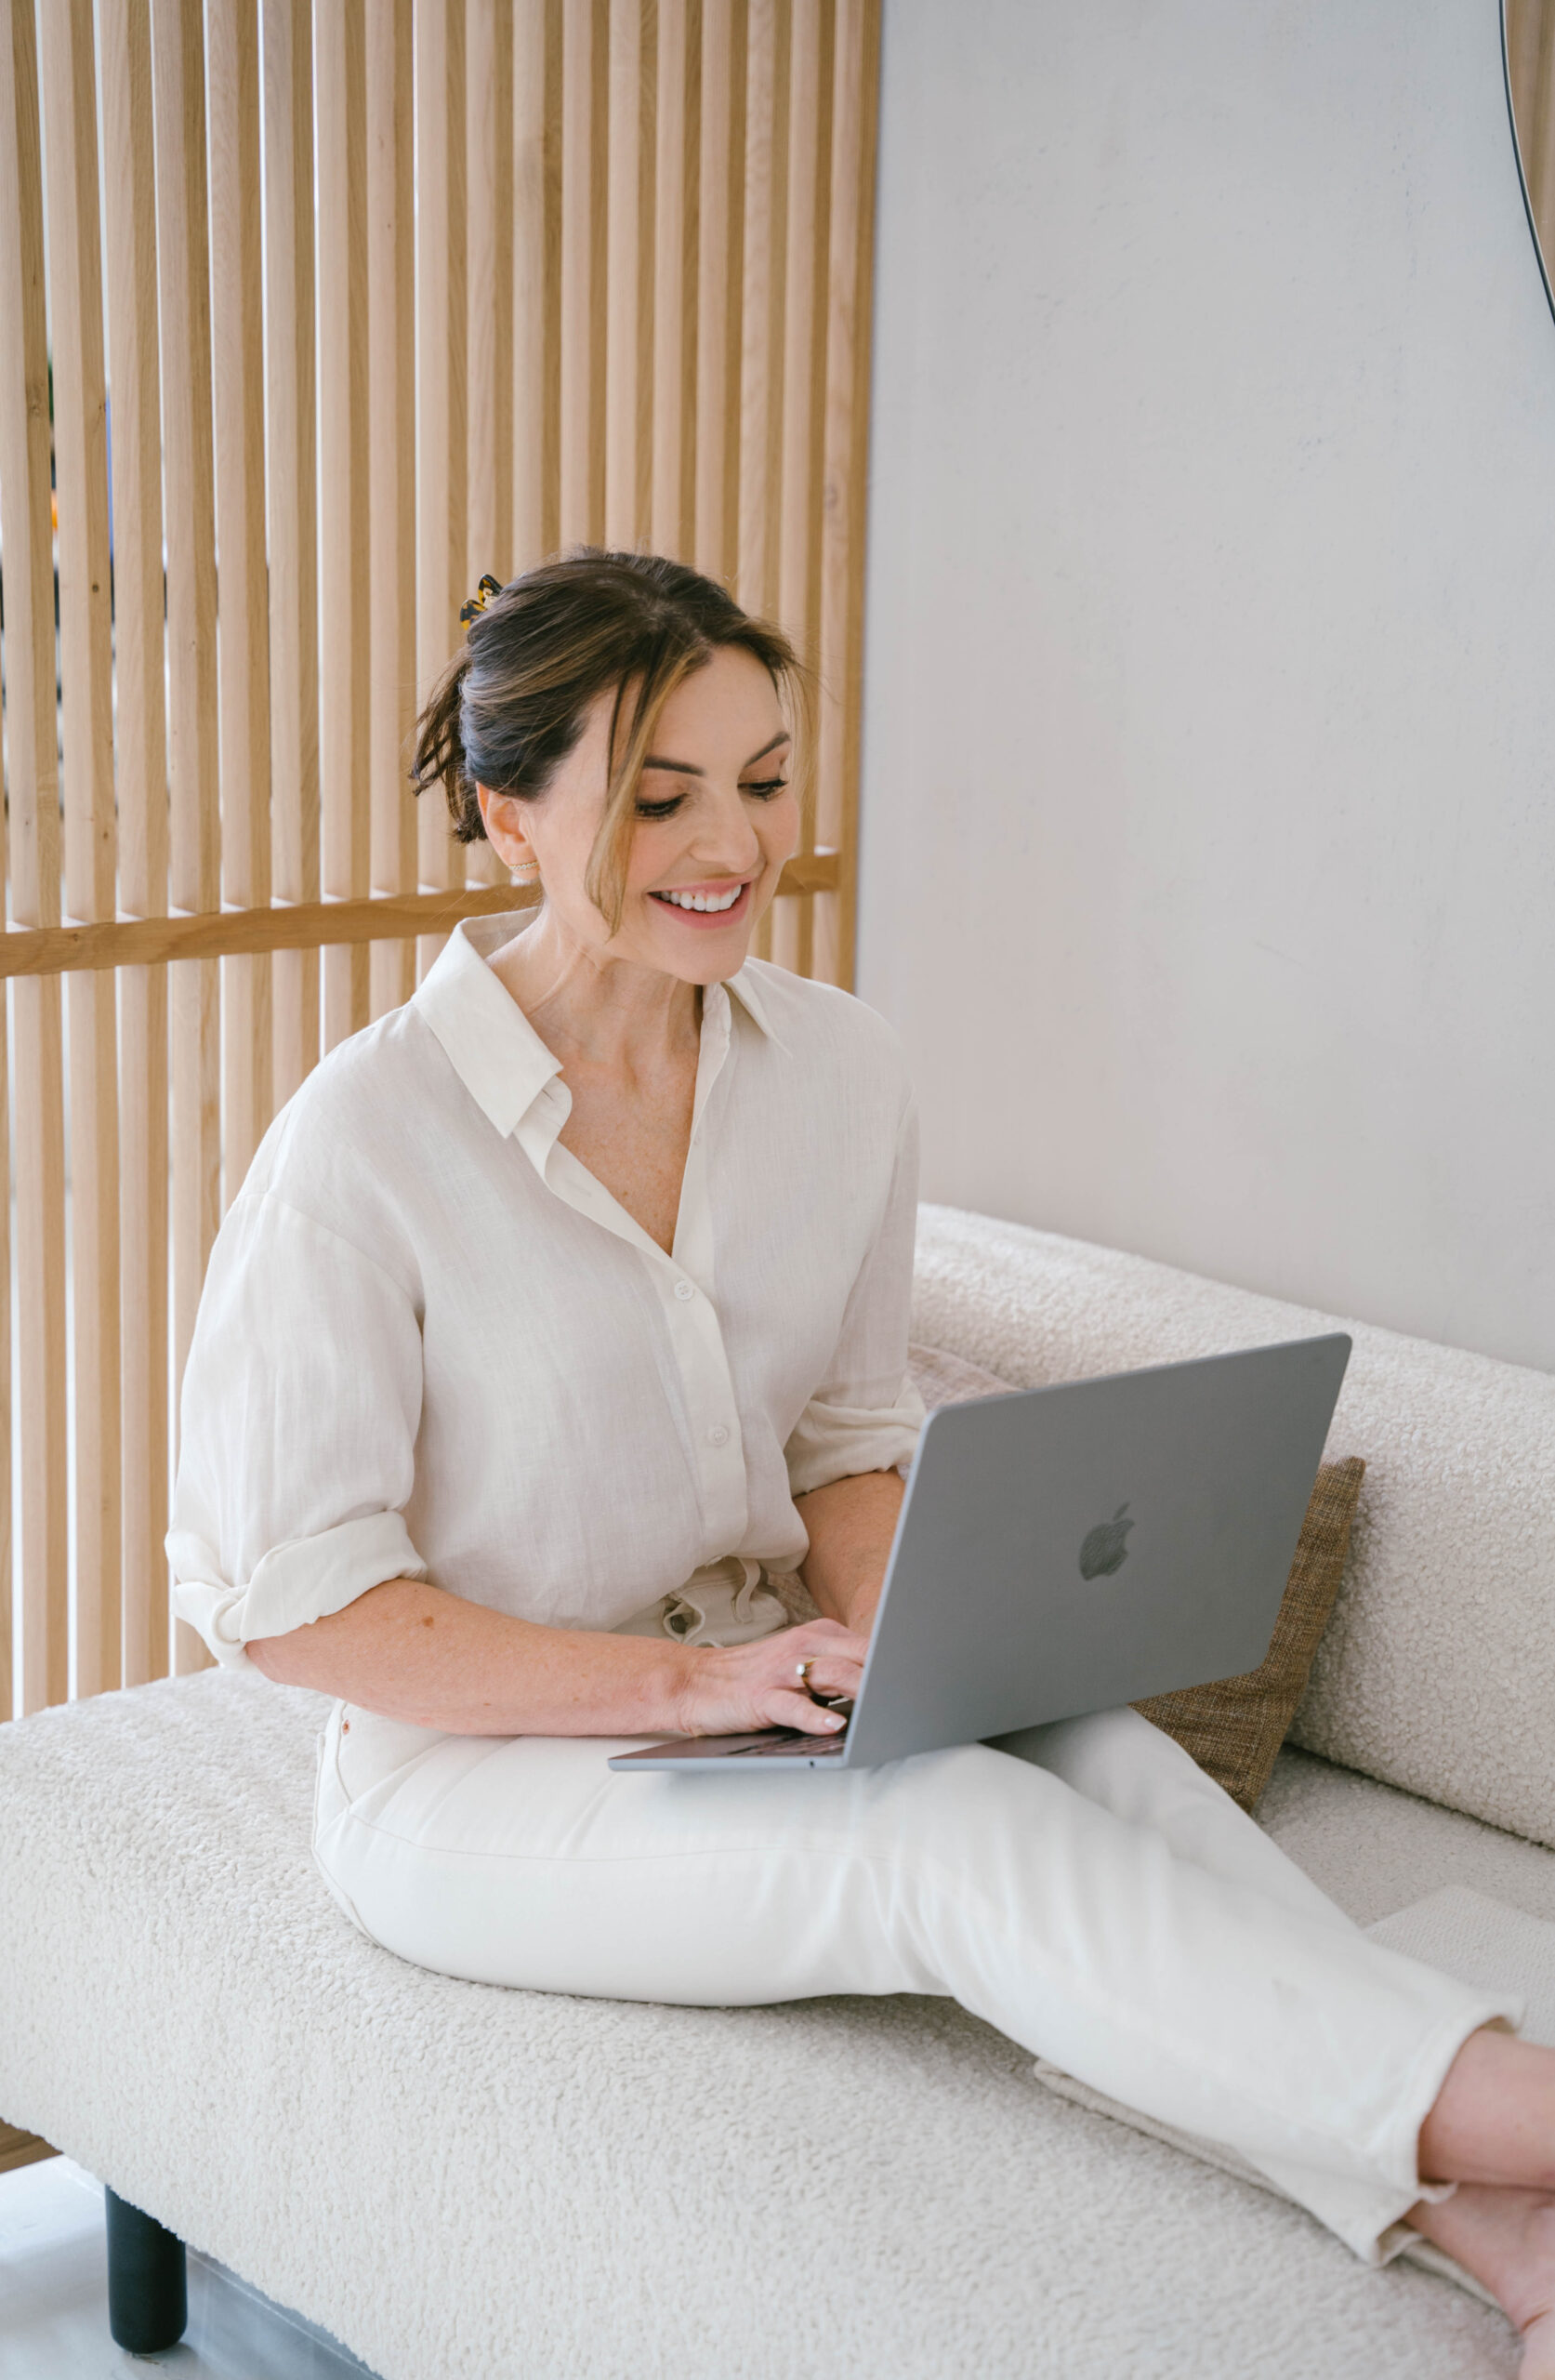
(148, 2289)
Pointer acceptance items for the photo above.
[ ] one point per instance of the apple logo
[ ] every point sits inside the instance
(1104, 1550)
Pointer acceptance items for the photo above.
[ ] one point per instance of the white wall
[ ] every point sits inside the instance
(1209, 747)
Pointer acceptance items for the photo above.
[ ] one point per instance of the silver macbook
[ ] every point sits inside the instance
(1063, 1550)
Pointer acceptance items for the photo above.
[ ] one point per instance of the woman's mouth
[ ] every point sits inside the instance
(707, 904)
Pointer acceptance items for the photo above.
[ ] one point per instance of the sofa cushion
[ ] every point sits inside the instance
(464, 2183)
(1234, 1726)
(1437, 1672)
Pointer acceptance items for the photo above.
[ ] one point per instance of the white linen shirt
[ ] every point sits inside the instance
(432, 1345)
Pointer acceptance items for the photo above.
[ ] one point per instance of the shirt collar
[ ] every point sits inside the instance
(749, 993)
(489, 1041)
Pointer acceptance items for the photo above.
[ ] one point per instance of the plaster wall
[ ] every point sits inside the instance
(1208, 812)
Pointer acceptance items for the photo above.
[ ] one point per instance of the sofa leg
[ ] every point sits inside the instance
(148, 2293)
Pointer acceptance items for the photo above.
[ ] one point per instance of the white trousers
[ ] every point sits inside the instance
(1095, 1896)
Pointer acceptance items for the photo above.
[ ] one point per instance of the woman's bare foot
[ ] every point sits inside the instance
(1506, 2238)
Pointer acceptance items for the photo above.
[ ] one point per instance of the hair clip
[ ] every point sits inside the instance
(479, 600)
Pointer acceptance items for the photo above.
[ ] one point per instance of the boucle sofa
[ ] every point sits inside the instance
(468, 2184)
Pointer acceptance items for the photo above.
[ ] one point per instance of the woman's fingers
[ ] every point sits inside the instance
(797, 1709)
(830, 1674)
(759, 1684)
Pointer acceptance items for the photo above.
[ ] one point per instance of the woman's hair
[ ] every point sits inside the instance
(512, 702)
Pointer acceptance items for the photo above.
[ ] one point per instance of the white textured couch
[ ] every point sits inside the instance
(469, 2184)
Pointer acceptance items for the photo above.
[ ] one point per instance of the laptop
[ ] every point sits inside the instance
(1069, 1549)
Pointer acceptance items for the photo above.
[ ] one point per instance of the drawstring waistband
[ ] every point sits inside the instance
(723, 1603)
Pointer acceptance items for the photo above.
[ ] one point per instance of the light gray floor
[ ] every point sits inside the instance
(54, 2300)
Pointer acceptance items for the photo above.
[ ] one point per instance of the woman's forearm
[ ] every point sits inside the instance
(850, 1526)
(414, 1652)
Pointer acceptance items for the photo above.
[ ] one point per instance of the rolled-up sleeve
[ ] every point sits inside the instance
(301, 1402)
(866, 1414)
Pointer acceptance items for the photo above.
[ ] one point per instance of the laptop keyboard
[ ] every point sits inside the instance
(787, 1746)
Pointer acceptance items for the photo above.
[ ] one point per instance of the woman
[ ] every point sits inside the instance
(569, 1300)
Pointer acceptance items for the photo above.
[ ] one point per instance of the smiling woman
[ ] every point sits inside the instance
(590, 650)
(566, 1305)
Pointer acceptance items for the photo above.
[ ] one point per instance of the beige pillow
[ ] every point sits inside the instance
(1235, 1727)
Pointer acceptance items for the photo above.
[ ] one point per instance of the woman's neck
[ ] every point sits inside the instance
(604, 1014)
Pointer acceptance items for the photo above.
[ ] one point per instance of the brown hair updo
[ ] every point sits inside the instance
(512, 702)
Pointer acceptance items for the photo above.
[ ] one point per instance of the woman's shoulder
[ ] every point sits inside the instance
(355, 1123)
(813, 1021)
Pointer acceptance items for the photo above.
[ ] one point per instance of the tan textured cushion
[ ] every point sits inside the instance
(1235, 1727)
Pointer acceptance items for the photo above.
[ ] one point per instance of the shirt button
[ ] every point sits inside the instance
(717, 1435)
(683, 1291)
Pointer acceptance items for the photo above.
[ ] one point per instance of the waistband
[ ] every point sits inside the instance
(728, 1602)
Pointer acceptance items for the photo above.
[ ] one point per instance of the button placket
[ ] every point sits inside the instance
(703, 1363)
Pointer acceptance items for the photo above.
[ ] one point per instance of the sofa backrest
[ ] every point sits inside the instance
(1438, 1669)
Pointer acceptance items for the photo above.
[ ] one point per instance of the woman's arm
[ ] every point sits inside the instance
(850, 1525)
(413, 1652)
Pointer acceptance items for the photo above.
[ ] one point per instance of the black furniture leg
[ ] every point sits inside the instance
(148, 2293)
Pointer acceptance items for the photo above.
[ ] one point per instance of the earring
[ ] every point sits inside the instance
(528, 872)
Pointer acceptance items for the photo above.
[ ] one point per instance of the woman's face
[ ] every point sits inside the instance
(717, 819)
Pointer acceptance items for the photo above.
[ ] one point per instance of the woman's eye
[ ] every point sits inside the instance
(666, 809)
(765, 790)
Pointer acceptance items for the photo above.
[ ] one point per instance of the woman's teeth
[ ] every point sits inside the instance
(702, 900)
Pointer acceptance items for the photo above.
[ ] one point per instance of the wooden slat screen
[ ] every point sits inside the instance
(338, 306)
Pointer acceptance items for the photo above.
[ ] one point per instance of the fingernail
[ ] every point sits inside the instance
(832, 1719)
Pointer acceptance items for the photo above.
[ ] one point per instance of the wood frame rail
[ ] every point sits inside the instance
(301, 925)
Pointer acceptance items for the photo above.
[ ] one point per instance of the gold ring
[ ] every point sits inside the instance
(801, 1671)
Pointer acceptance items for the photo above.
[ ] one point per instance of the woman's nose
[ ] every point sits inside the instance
(726, 837)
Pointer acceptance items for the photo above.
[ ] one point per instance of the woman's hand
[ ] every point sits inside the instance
(733, 1689)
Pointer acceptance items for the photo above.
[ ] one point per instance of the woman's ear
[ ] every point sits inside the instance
(503, 818)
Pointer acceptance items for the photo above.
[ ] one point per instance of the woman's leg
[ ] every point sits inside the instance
(1494, 2120)
(1142, 1775)
(1207, 2003)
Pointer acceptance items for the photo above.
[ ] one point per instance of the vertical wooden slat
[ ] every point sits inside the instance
(670, 527)
(141, 772)
(440, 412)
(717, 317)
(761, 326)
(32, 775)
(86, 665)
(489, 167)
(808, 125)
(243, 685)
(339, 98)
(799, 323)
(534, 465)
(762, 312)
(845, 442)
(391, 472)
(489, 330)
(577, 270)
(293, 517)
(178, 52)
(647, 164)
(623, 282)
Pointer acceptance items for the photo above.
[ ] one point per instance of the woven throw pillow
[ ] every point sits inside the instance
(1235, 1727)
